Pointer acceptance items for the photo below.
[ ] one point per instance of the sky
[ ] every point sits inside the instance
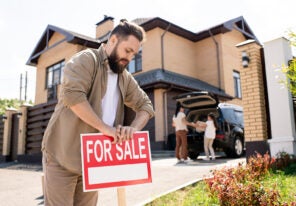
(22, 24)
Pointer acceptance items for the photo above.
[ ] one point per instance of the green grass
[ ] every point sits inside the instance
(284, 182)
(191, 195)
(197, 194)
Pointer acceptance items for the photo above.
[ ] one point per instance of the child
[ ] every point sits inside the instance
(209, 127)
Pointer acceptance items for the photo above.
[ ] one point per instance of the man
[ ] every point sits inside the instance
(95, 89)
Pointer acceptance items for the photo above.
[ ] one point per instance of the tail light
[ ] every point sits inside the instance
(220, 136)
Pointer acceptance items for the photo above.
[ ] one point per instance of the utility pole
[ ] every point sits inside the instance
(26, 83)
(21, 84)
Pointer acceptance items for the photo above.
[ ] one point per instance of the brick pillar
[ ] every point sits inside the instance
(253, 99)
(7, 132)
(22, 129)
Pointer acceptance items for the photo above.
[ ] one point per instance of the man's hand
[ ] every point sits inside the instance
(124, 133)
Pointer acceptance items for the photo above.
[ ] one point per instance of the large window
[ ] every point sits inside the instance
(237, 84)
(136, 63)
(54, 74)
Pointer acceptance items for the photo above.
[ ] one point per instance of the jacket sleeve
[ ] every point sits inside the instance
(78, 76)
(136, 98)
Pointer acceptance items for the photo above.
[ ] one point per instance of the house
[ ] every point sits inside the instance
(173, 60)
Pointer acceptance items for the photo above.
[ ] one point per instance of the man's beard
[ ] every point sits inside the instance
(114, 62)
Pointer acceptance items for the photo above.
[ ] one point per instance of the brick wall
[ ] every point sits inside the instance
(254, 96)
(253, 101)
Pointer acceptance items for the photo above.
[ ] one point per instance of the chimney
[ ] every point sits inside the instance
(104, 27)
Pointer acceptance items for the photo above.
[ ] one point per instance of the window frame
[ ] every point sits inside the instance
(51, 71)
(137, 62)
(237, 84)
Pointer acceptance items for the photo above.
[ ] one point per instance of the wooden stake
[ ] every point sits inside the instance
(121, 196)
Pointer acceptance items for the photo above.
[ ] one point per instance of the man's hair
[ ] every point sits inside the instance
(125, 29)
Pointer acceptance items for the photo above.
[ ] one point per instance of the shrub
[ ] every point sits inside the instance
(242, 185)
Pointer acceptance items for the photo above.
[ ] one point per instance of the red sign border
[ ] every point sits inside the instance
(95, 187)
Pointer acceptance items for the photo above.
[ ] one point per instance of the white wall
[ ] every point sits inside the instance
(278, 52)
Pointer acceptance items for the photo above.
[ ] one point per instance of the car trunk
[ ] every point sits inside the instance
(197, 100)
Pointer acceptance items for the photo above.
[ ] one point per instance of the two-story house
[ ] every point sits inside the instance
(173, 60)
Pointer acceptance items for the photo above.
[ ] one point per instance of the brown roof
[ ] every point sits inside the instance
(70, 36)
(159, 78)
(238, 23)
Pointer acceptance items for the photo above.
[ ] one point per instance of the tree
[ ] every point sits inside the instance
(290, 70)
(10, 103)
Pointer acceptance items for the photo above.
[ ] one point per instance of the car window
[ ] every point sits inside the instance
(229, 115)
(233, 116)
(239, 117)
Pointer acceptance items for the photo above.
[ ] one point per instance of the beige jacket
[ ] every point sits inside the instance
(85, 78)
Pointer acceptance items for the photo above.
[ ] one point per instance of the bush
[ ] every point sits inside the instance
(242, 185)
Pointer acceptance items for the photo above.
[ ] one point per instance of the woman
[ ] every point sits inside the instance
(210, 127)
(180, 123)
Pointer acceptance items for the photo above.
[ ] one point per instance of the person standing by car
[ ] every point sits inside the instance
(210, 127)
(180, 123)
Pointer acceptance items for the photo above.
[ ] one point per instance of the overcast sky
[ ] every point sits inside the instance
(22, 22)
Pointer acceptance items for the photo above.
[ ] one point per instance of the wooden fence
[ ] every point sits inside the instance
(1, 134)
(37, 120)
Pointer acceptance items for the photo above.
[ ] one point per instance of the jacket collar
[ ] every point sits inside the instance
(103, 57)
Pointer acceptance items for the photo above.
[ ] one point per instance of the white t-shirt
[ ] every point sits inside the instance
(110, 100)
(210, 131)
(179, 125)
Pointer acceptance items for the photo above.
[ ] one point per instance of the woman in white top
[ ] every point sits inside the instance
(210, 127)
(180, 123)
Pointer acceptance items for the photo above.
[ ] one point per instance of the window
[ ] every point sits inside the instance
(237, 84)
(54, 74)
(136, 63)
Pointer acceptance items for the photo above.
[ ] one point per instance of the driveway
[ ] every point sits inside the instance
(21, 184)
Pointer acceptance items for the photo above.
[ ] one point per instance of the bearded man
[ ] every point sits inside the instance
(95, 88)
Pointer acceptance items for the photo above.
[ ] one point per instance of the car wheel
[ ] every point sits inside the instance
(193, 155)
(236, 149)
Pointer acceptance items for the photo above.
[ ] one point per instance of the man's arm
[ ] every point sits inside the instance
(85, 112)
(141, 119)
(137, 100)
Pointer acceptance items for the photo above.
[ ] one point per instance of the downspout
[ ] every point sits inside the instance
(165, 118)
(164, 95)
(218, 59)
(161, 44)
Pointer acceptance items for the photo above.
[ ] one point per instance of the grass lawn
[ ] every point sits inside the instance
(283, 181)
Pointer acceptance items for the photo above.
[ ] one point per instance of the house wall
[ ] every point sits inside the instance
(159, 117)
(151, 52)
(206, 60)
(195, 59)
(62, 51)
(231, 61)
(179, 53)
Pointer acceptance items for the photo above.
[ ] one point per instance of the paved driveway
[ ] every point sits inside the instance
(21, 184)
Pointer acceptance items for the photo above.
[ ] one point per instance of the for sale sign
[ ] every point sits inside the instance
(113, 165)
